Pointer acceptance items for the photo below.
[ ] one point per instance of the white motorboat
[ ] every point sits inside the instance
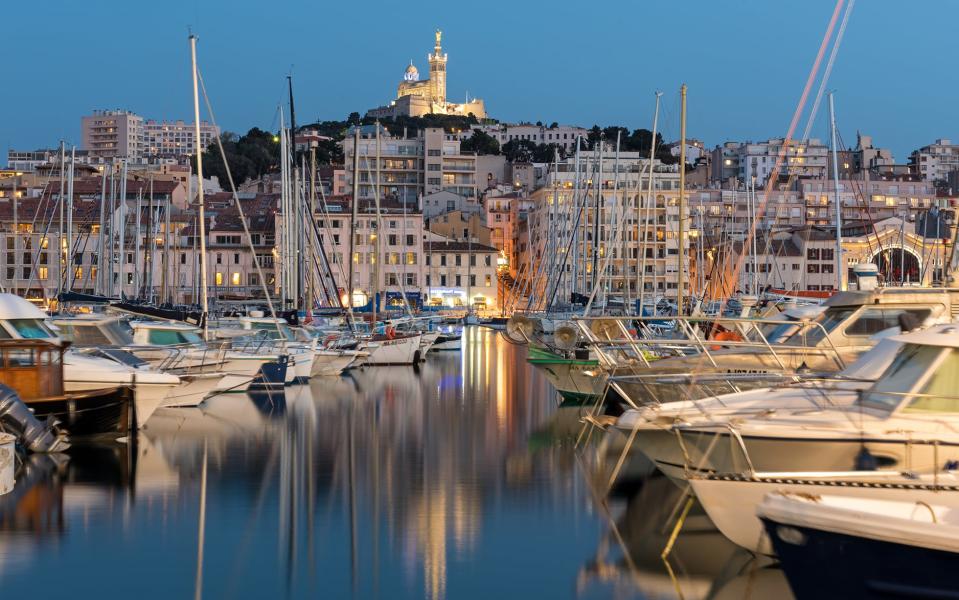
(908, 420)
(841, 547)
(731, 501)
(652, 425)
(397, 350)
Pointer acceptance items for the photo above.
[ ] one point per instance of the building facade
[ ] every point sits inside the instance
(176, 138)
(112, 134)
(935, 161)
(409, 167)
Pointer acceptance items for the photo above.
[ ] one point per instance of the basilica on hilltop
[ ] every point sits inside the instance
(416, 97)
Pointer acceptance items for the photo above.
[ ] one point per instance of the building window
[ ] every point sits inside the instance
(812, 254)
(459, 281)
(812, 268)
(473, 280)
(411, 258)
(411, 279)
(827, 254)
(219, 278)
(44, 272)
(489, 280)
(410, 239)
(443, 280)
(442, 260)
(459, 261)
(236, 258)
(489, 260)
(235, 278)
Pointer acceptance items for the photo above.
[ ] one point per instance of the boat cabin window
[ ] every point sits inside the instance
(170, 337)
(31, 329)
(18, 357)
(873, 320)
(941, 392)
(271, 328)
(83, 335)
(812, 334)
(903, 376)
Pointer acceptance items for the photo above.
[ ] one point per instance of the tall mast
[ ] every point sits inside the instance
(201, 221)
(682, 198)
(840, 285)
(356, 199)
(650, 202)
(60, 195)
(375, 271)
(122, 220)
(297, 221)
(69, 225)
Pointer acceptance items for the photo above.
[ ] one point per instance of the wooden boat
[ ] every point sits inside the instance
(34, 369)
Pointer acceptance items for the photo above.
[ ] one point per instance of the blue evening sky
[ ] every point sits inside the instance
(745, 62)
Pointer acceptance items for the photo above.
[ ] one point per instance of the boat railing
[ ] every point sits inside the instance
(615, 342)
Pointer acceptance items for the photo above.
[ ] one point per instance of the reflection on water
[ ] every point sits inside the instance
(455, 480)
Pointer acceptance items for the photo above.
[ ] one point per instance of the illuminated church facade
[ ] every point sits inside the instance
(416, 97)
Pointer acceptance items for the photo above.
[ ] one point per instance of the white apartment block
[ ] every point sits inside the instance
(935, 161)
(461, 274)
(175, 138)
(562, 135)
(758, 159)
(654, 233)
(409, 166)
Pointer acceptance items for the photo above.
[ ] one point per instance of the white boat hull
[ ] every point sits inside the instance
(399, 351)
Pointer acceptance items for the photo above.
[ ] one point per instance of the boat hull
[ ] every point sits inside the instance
(95, 413)
(825, 564)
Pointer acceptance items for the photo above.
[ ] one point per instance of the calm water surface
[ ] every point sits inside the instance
(454, 480)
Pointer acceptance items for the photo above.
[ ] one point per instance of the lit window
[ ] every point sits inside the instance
(235, 279)
(219, 278)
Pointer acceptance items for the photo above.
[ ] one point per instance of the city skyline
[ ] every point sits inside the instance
(603, 71)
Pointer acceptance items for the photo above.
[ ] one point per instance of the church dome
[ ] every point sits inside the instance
(411, 73)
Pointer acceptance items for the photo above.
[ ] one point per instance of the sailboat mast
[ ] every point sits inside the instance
(840, 285)
(297, 222)
(650, 203)
(680, 300)
(60, 263)
(356, 198)
(201, 222)
(69, 225)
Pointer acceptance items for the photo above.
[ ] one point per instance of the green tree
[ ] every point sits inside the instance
(519, 150)
(248, 156)
(480, 143)
(545, 153)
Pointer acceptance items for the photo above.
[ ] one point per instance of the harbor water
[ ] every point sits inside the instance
(455, 479)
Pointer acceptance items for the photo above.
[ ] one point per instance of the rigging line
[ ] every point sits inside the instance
(828, 69)
(794, 122)
(239, 208)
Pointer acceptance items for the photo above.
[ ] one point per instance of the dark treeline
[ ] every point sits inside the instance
(257, 152)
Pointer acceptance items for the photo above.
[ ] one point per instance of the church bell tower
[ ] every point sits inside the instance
(438, 72)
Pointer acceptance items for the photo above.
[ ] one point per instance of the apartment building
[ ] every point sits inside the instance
(398, 243)
(560, 135)
(640, 240)
(461, 274)
(935, 161)
(175, 138)
(409, 166)
(112, 134)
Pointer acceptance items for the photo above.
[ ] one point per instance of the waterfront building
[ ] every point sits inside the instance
(398, 244)
(416, 97)
(620, 227)
(461, 274)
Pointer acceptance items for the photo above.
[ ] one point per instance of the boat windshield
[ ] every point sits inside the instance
(812, 334)
(172, 337)
(31, 329)
(271, 329)
(902, 376)
(940, 393)
(777, 333)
